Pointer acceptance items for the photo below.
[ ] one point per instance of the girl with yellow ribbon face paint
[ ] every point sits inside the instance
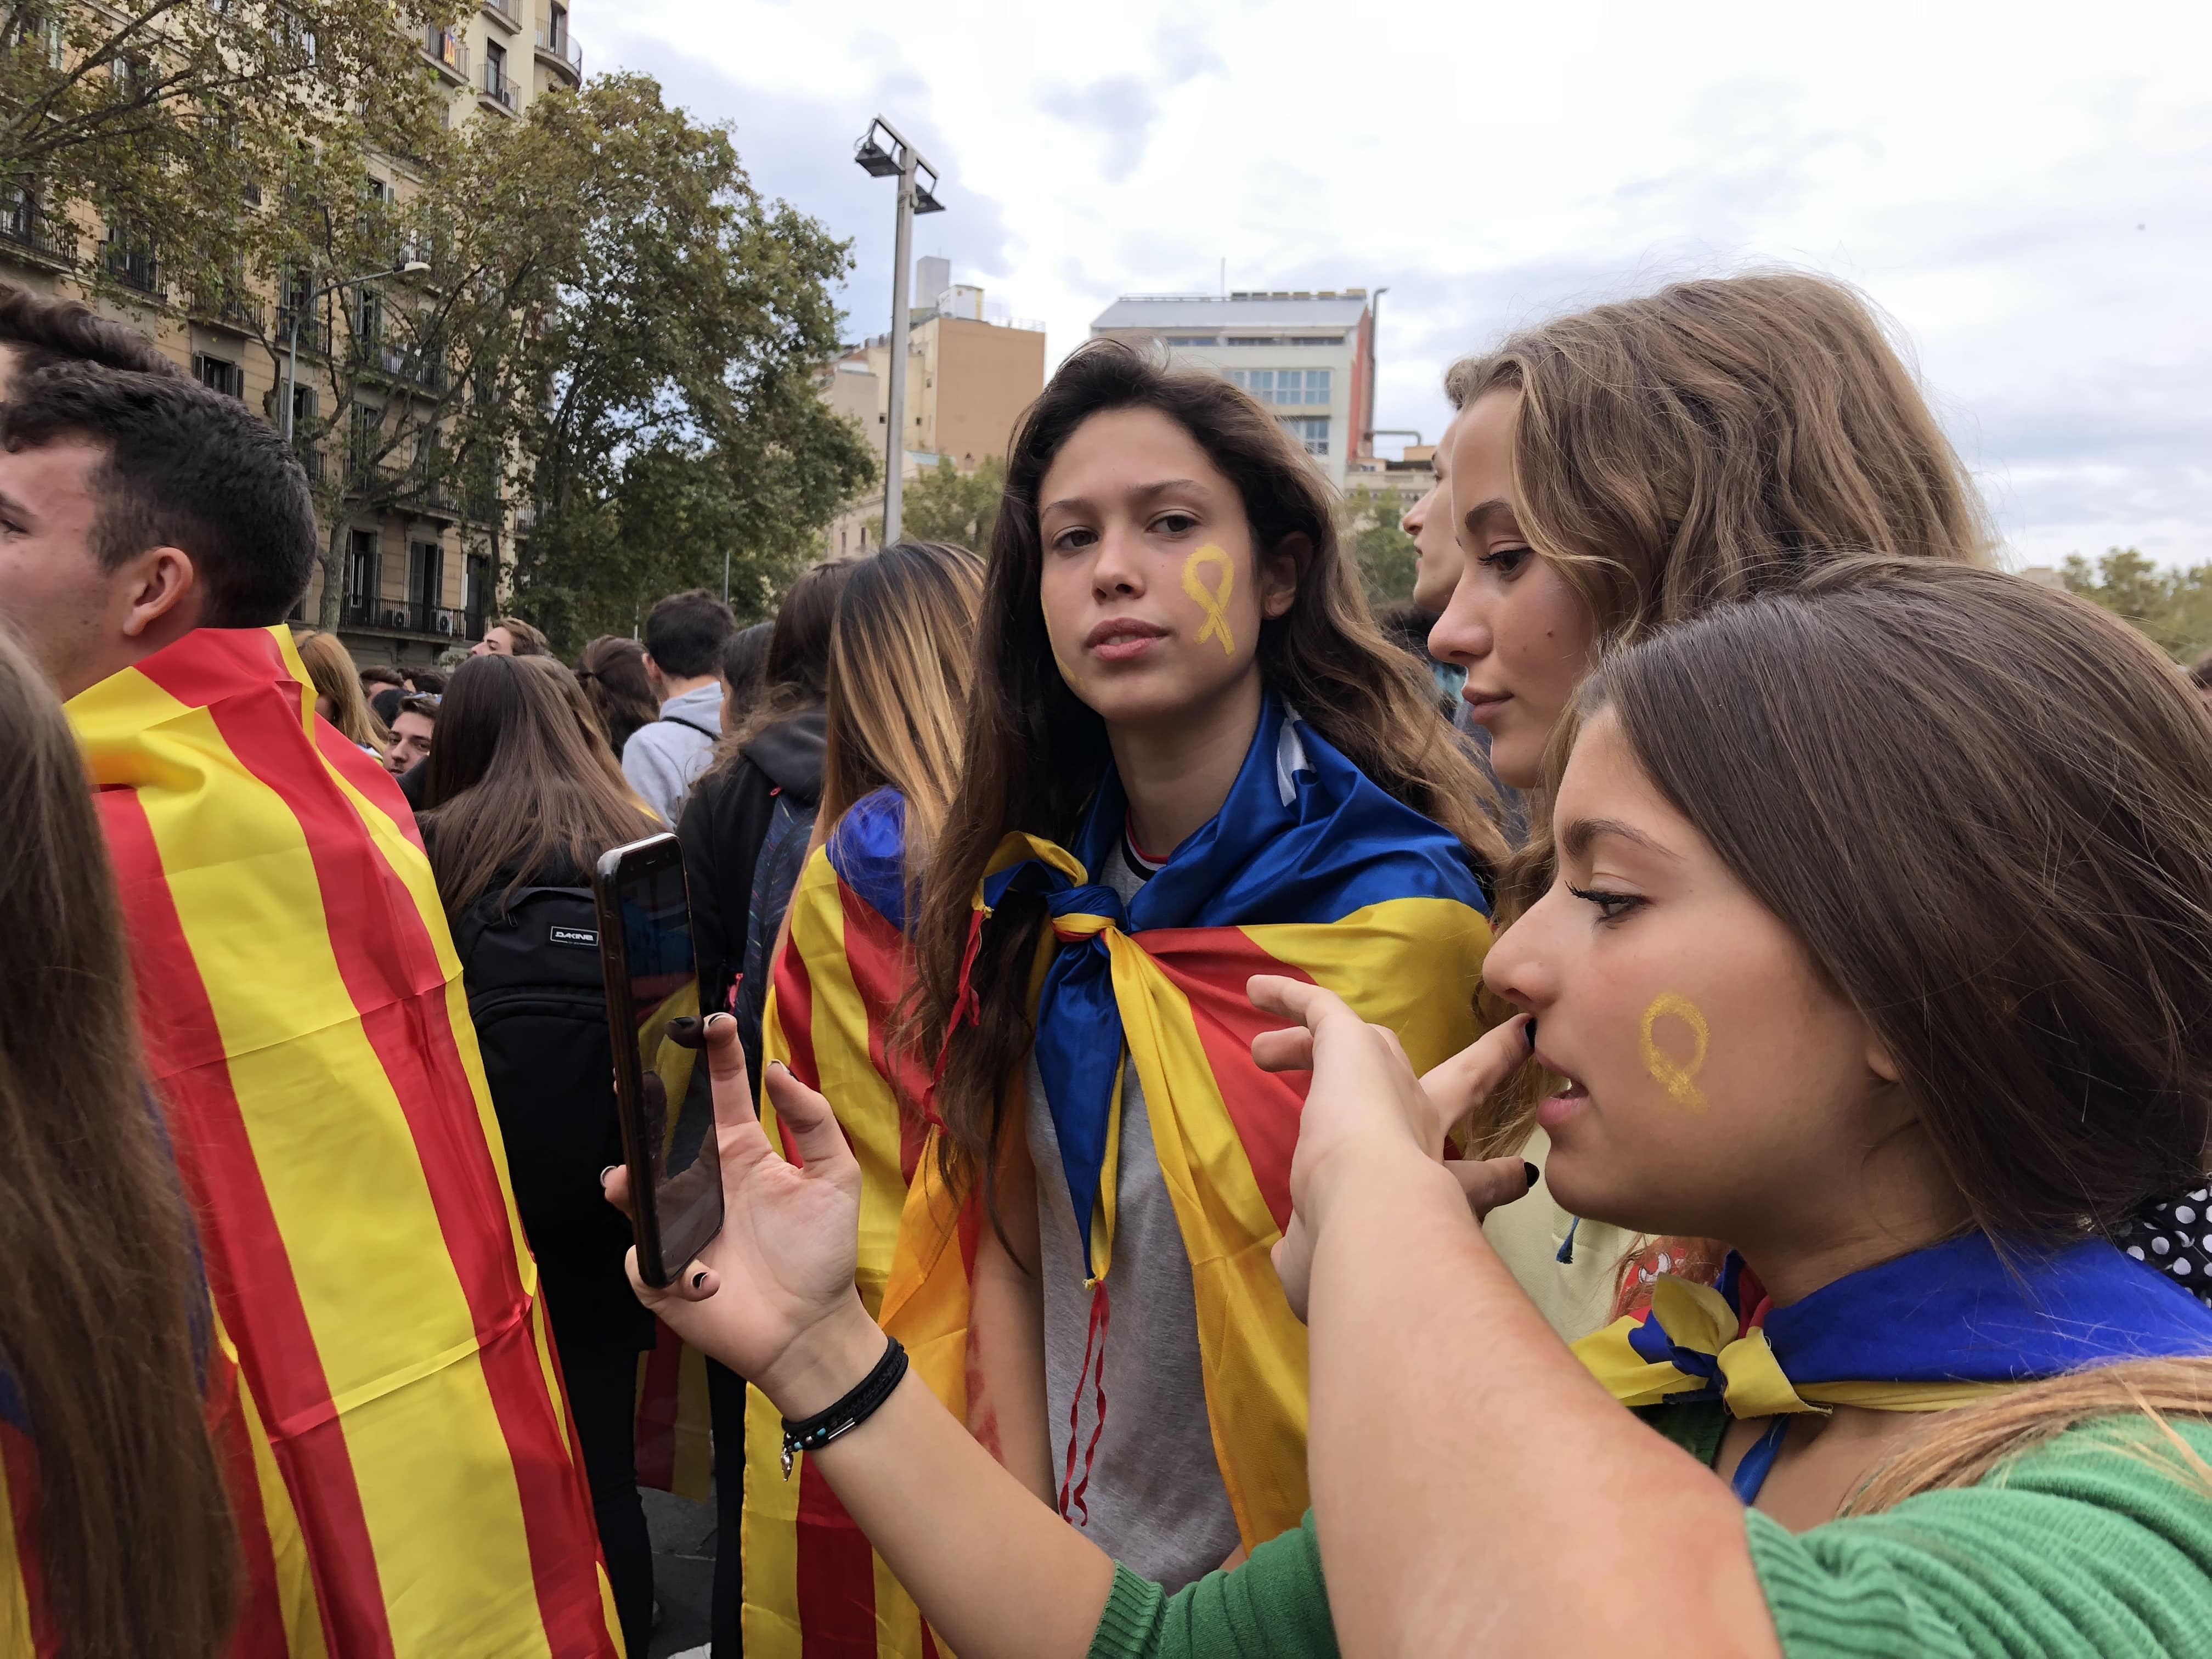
(1152, 590)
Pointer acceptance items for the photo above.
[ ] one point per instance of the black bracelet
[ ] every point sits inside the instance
(849, 1413)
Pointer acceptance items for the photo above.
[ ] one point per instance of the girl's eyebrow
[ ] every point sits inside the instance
(1142, 493)
(1576, 838)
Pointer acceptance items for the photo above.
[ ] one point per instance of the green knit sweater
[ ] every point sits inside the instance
(2097, 1544)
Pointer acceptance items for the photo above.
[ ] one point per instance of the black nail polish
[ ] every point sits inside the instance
(1531, 1034)
(700, 1278)
(1530, 1170)
(685, 1031)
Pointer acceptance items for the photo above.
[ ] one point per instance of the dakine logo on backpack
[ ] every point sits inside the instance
(586, 938)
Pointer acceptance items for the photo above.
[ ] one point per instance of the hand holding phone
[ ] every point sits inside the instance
(661, 1096)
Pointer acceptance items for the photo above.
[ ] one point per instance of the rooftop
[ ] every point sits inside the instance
(1329, 308)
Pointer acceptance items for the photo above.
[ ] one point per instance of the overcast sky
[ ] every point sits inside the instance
(2026, 190)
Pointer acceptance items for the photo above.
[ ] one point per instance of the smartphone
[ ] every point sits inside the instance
(661, 1092)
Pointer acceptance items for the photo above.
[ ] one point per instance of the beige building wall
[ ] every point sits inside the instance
(985, 376)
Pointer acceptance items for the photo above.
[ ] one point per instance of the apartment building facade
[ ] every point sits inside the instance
(415, 582)
(972, 369)
(1305, 354)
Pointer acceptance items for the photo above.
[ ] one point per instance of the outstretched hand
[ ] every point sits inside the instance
(771, 1296)
(1366, 1100)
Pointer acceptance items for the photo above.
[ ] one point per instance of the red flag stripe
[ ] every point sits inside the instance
(875, 955)
(794, 1014)
(837, 1575)
(385, 955)
(260, 1633)
(656, 1417)
(1210, 966)
(21, 1462)
(247, 1266)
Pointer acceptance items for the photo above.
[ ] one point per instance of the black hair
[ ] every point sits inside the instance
(188, 468)
(428, 681)
(45, 331)
(684, 633)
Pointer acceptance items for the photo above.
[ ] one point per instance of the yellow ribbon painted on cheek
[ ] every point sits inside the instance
(1215, 601)
(1677, 1078)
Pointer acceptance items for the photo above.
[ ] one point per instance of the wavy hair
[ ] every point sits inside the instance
(1035, 751)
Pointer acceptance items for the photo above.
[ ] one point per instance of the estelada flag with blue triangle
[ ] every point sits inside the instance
(309, 1040)
(1308, 869)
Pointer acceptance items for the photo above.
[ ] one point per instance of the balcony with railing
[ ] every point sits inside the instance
(558, 53)
(439, 621)
(314, 332)
(228, 307)
(504, 11)
(495, 85)
(426, 370)
(133, 264)
(447, 50)
(311, 458)
(24, 229)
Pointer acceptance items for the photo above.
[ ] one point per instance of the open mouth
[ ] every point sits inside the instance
(1562, 1106)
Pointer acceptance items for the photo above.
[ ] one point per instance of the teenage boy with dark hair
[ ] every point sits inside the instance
(304, 1031)
(684, 637)
(37, 332)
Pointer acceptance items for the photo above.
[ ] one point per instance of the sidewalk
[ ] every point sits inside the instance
(682, 1574)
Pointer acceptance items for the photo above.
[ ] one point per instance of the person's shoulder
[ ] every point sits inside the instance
(2096, 1540)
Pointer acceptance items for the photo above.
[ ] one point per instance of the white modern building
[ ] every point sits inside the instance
(1307, 355)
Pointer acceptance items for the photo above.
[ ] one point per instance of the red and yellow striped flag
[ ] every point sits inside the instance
(306, 1033)
(1309, 872)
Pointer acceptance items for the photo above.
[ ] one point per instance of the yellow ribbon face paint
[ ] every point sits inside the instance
(1677, 1078)
(1213, 601)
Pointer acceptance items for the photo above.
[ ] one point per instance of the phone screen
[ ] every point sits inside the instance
(674, 1125)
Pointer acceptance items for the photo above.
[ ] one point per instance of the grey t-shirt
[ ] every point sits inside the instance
(1155, 1502)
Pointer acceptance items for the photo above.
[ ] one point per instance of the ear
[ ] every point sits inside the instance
(1881, 1061)
(163, 597)
(1278, 575)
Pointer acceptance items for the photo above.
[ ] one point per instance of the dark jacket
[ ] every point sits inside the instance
(725, 822)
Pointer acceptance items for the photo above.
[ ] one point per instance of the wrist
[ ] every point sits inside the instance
(824, 1363)
(1370, 1172)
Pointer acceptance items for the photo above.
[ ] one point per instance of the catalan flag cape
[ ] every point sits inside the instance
(1923, 1332)
(278, 1617)
(1308, 869)
(307, 1035)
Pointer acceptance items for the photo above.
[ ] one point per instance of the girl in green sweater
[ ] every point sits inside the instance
(1879, 948)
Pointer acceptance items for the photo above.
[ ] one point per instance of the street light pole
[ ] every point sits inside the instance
(413, 267)
(902, 161)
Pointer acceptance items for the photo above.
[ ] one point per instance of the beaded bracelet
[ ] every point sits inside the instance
(849, 1413)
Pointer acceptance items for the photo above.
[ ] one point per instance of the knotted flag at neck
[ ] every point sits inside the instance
(1923, 1332)
(1303, 836)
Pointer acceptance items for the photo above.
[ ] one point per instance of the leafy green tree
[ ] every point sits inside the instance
(2172, 606)
(141, 139)
(669, 418)
(945, 506)
(1387, 557)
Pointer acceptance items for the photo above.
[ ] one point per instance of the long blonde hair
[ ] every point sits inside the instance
(901, 659)
(1712, 440)
(330, 667)
(1964, 1446)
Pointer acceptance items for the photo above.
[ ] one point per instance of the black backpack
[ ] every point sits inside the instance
(529, 964)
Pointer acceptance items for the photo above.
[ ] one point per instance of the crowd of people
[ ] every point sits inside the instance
(1661, 1092)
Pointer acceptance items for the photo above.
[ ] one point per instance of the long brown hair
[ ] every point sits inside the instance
(1035, 751)
(330, 667)
(900, 658)
(795, 675)
(134, 1527)
(1980, 806)
(613, 677)
(516, 785)
(1714, 440)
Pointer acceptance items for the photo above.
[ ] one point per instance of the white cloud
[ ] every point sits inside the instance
(2022, 189)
